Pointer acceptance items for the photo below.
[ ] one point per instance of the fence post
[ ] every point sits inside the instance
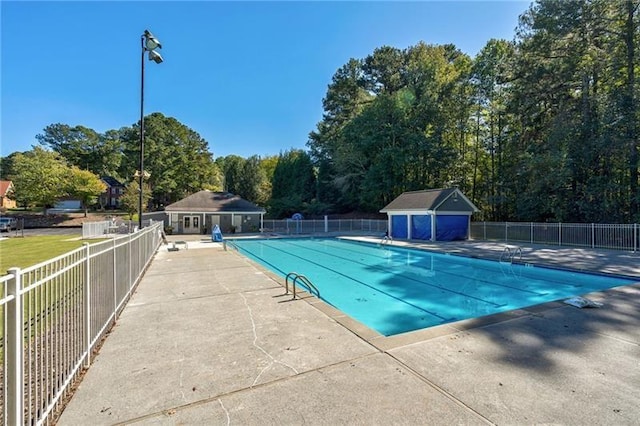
(86, 304)
(140, 256)
(115, 281)
(129, 262)
(14, 351)
(559, 233)
(484, 229)
(593, 235)
(506, 232)
(531, 232)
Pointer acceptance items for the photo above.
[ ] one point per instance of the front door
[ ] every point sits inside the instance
(191, 224)
(237, 222)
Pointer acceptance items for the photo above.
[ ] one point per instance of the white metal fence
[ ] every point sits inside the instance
(111, 228)
(593, 235)
(291, 226)
(54, 314)
(97, 229)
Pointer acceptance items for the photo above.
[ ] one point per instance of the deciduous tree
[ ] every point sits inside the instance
(176, 157)
(84, 147)
(131, 197)
(84, 186)
(39, 177)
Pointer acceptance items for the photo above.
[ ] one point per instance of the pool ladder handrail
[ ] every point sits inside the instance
(385, 240)
(229, 243)
(305, 282)
(510, 255)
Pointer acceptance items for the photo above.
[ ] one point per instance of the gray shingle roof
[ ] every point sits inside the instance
(429, 199)
(211, 202)
(112, 182)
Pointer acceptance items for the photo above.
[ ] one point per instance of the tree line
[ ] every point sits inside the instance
(544, 127)
(70, 160)
(540, 128)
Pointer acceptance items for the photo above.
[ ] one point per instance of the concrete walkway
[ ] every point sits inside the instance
(208, 339)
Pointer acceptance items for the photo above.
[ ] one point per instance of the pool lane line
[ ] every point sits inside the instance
(442, 271)
(382, 269)
(420, 256)
(404, 274)
(362, 283)
(443, 258)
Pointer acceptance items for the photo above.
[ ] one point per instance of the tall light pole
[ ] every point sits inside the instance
(149, 44)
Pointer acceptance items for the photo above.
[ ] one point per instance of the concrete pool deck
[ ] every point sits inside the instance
(208, 338)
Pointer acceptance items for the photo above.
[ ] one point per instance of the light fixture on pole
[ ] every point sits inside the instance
(149, 44)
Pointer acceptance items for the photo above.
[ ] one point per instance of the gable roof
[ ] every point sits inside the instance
(429, 199)
(6, 186)
(112, 182)
(214, 202)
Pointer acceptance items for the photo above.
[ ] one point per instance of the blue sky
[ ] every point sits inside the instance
(249, 77)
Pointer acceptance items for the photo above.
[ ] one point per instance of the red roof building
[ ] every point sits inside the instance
(6, 189)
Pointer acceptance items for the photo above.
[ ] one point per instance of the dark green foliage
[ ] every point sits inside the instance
(245, 177)
(400, 133)
(542, 128)
(576, 109)
(252, 180)
(293, 184)
(6, 166)
(176, 157)
(232, 168)
(84, 148)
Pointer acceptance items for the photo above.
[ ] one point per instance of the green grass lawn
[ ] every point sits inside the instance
(28, 251)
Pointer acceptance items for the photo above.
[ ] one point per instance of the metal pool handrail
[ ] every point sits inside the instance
(385, 240)
(517, 251)
(305, 281)
(511, 255)
(229, 243)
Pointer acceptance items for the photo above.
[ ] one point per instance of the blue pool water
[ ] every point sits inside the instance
(395, 290)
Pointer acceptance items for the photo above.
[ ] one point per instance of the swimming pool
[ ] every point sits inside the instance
(395, 290)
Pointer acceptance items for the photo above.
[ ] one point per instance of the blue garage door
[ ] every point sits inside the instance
(421, 227)
(451, 228)
(399, 226)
